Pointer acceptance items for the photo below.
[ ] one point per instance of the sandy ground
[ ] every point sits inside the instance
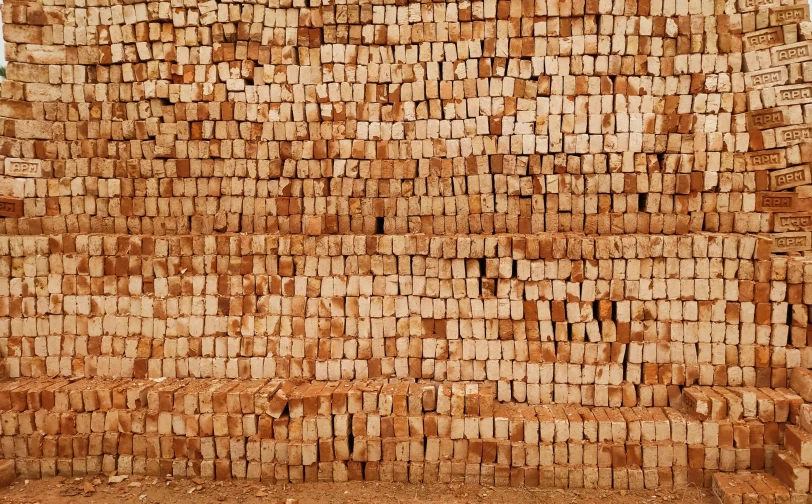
(139, 490)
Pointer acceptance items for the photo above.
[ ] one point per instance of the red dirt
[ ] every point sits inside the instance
(139, 490)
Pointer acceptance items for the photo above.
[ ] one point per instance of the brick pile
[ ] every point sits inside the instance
(599, 321)
(288, 431)
(484, 117)
(558, 243)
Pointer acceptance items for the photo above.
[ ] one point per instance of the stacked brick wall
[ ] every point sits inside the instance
(543, 243)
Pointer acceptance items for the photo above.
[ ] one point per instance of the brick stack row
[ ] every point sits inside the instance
(604, 321)
(451, 118)
(777, 56)
(286, 431)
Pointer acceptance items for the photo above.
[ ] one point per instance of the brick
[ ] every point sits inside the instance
(7, 473)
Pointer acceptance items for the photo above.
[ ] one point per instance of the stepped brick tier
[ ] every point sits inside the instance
(293, 431)
(542, 243)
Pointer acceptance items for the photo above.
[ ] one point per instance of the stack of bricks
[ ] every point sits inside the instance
(792, 465)
(471, 117)
(777, 48)
(604, 321)
(750, 488)
(556, 243)
(285, 431)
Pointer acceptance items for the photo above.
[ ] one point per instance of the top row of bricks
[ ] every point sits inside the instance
(487, 9)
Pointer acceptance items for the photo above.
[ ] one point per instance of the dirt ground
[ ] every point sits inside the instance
(139, 490)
